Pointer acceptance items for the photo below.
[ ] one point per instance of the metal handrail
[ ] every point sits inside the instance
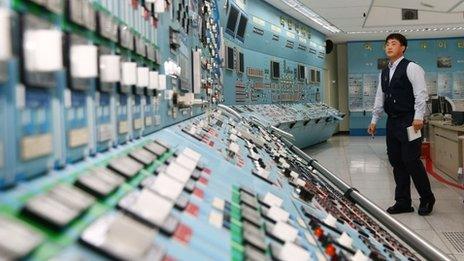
(416, 242)
(230, 110)
(282, 133)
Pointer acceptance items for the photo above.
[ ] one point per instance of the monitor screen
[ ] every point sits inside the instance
(275, 70)
(444, 62)
(313, 75)
(242, 27)
(230, 58)
(232, 19)
(241, 62)
(301, 72)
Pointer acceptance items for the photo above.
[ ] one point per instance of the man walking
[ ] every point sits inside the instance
(402, 94)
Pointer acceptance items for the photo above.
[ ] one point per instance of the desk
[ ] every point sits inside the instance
(446, 148)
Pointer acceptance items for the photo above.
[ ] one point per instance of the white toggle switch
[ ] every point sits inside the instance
(186, 162)
(84, 62)
(233, 137)
(300, 182)
(272, 200)
(143, 74)
(5, 34)
(218, 203)
(43, 50)
(284, 231)
(167, 186)
(192, 154)
(178, 172)
(234, 147)
(291, 251)
(293, 174)
(128, 73)
(216, 219)
(160, 6)
(110, 68)
(330, 220)
(359, 256)
(278, 214)
(162, 82)
(153, 81)
(345, 240)
(152, 206)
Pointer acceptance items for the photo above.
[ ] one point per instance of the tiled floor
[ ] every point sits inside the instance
(362, 162)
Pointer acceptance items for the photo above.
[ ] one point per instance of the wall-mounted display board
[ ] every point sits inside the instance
(283, 58)
(355, 92)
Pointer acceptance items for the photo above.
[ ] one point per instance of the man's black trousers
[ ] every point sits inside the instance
(404, 156)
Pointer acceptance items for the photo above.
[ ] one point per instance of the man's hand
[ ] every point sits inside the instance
(417, 124)
(372, 128)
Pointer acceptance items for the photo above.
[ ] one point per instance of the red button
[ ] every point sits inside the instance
(183, 233)
(203, 180)
(207, 171)
(330, 250)
(319, 232)
(168, 258)
(192, 209)
(199, 193)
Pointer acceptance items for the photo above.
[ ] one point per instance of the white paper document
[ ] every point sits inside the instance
(412, 134)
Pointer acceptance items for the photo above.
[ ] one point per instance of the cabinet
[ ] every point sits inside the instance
(446, 147)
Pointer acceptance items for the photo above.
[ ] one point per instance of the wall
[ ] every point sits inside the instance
(363, 73)
(331, 83)
(259, 50)
(342, 80)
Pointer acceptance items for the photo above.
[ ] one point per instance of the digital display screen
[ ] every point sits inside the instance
(301, 72)
(232, 19)
(241, 62)
(313, 75)
(444, 62)
(275, 70)
(230, 58)
(242, 27)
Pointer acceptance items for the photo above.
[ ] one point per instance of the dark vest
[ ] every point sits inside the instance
(398, 93)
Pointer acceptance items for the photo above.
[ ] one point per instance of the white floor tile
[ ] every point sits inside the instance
(446, 222)
(433, 238)
(413, 221)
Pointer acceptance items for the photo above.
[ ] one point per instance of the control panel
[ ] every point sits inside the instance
(81, 77)
(309, 123)
(212, 187)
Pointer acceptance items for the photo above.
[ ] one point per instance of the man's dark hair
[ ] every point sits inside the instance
(399, 37)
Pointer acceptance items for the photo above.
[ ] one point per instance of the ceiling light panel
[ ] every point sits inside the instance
(307, 12)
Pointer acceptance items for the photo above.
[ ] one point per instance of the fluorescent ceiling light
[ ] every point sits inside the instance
(304, 10)
(407, 30)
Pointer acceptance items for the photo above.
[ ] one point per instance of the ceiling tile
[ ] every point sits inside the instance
(347, 15)
(427, 5)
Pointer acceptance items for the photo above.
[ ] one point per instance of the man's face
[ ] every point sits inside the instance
(394, 49)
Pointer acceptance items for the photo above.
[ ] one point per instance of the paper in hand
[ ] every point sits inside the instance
(412, 134)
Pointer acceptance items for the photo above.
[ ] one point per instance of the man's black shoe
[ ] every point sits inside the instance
(426, 206)
(399, 208)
